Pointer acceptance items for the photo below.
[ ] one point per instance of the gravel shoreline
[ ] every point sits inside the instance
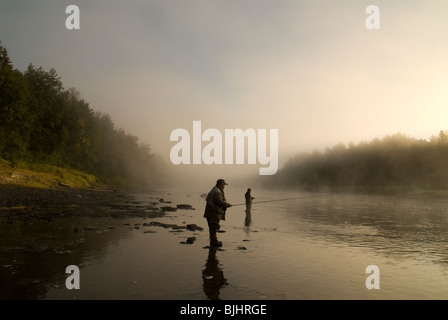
(60, 202)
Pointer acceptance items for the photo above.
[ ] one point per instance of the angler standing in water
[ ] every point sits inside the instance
(249, 199)
(215, 210)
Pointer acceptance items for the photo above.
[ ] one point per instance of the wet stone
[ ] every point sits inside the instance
(168, 208)
(193, 227)
(184, 206)
(190, 240)
(161, 224)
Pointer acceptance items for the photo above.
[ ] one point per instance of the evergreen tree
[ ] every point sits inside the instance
(41, 122)
(15, 120)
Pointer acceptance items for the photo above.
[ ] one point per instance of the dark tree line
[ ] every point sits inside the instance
(395, 163)
(41, 122)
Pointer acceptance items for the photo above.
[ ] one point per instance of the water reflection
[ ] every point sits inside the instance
(213, 276)
(248, 219)
(399, 228)
(35, 253)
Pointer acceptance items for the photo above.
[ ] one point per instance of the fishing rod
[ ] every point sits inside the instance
(305, 197)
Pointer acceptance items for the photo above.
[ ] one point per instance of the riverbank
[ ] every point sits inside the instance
(65, 201)
(52, 192)
(45, 176)
(25, 203)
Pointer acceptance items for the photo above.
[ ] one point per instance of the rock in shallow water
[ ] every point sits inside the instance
(193, 227)
(189, 240)
(185, 206)
(168, 208)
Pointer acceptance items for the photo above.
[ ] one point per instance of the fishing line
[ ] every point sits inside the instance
(314, 196)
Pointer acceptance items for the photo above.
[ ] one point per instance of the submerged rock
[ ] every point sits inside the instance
(184, 206)
(189, 240)
(168, 208)
(193, 227)
(160, 224)
(175, 227)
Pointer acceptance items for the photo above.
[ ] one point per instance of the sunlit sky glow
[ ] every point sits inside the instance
(308, 68)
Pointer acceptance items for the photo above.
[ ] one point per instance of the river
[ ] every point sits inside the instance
(309, 247)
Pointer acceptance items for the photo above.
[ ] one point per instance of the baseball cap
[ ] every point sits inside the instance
(221, 181)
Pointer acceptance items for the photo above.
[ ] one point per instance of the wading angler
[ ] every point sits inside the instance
(234, 139)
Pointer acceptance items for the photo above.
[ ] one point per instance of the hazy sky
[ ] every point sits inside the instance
(310, 69)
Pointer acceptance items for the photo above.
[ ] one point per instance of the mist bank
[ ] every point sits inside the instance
(394, 164)
(43, 125)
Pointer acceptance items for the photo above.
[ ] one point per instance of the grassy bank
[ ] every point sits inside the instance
(45, 176)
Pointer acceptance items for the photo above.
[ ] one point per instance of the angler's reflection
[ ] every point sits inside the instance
(248, 218)
(249, 198)
(213, 276)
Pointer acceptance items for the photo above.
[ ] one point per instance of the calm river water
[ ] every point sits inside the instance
(308, 248)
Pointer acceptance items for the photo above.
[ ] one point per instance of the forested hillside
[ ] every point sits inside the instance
(43, 123)
(395, 163)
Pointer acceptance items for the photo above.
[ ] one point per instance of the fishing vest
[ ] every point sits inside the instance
(217, 210)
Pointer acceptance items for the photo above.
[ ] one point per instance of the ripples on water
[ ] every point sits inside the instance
(400, 227)
(309, 248)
